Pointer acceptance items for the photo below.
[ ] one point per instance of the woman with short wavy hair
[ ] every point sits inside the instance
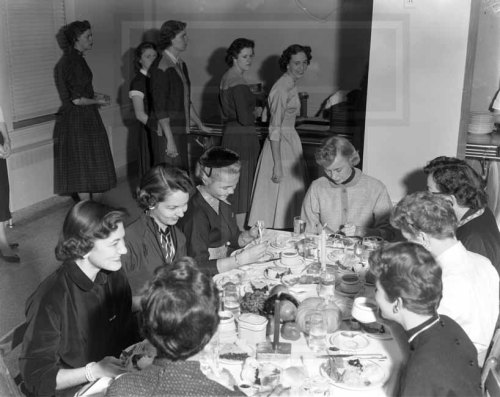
(464, 187)
(179, 310)
(79, 318)
(153, 240)
(281, 174)
(345, 198)
(442, 360)
(238, 109)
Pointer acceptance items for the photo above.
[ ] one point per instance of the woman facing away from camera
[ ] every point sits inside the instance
(153, 240)
(345, 198)
(140, 95)
(470, 282)
(210, 222)
(179, 311)
(79, 318)
(83, 163)
(238, 109)
(281, 175)
(442, 359)
(477, 227)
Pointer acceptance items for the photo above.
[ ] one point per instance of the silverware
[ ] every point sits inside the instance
(360, 355)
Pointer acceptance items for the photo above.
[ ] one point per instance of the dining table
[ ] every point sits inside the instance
(385, 351)
(382, 351)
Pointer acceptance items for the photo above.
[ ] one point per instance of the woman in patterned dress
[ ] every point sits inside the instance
(280, 178)
(238, 106)
(82, 156)
(140, 95)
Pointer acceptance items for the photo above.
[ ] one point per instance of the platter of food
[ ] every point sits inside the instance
(138, 356)
(234, 353)
(234, 276)
(276, 272)
(356, 374)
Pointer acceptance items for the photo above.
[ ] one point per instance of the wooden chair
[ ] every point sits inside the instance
(490, 376)
(10, 385)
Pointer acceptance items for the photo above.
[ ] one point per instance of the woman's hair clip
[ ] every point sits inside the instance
(218, 157)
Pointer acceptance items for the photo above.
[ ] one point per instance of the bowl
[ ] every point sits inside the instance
(350, 283)
(364, 310)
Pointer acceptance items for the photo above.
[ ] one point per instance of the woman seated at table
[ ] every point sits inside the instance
(154, 240)
(345, 198)
(477, 227)
(79, 318)
(180, 315)
(470, 282)
(442, 359)
(210, 224)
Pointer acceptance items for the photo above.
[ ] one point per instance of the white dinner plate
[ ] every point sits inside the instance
(349, 340)
(374, 377)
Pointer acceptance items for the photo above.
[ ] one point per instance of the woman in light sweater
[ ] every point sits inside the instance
(347, 200)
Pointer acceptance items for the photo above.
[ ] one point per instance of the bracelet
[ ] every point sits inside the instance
(88, 372)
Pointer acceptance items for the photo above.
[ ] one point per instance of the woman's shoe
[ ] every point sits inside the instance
(10, 258)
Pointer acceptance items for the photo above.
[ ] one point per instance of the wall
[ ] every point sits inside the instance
(487, 61)
(416, 78)
(340, 49)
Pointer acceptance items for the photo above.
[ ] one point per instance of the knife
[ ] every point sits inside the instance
(359, 355)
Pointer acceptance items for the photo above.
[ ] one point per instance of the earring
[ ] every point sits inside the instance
(395, 308)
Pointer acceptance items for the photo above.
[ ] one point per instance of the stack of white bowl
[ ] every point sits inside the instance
(481, 123)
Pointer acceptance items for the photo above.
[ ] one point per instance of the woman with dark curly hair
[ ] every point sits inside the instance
(171, 93)
(140, 94)
(179, 311)
(238, 107)
(83, 164)
(477, 226)
(280, 178)
(79, 318)
(153, 240)
(442, 359)
(345, 198)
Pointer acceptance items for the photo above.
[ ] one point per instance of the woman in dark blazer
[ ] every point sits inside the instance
(153, 240)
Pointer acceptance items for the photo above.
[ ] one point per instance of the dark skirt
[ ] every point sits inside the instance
(82, 156)
(244, 141)
(4, 189)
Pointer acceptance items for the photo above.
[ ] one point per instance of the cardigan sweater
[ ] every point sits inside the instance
(363, 201)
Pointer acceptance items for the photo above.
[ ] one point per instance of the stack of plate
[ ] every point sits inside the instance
(481, 123)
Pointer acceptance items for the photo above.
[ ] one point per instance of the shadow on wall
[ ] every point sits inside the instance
(415, 181)
(216, 67)
(269, 72)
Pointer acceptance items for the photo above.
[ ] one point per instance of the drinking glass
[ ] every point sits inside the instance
(310, 247)
(326, 286)
(299, 226)
(232, 299)
(317, 332)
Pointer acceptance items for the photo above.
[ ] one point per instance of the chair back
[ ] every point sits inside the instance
(490, 376)
(9, 384)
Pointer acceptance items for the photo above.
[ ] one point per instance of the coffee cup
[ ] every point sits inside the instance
(350, 283)
(364, 310)
(290, 257)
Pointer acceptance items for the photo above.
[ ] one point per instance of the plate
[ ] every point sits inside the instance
(298, 263)
(276, 273)
(282, 244)
(349, 340)
(371, 376)
(138, 356)
(268, 256)
(234, 276)
(234, 353)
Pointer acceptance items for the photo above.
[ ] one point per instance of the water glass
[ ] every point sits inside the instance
(232, 299)
(326, 286)
(317, 332)
(299, 226)
(310, 247)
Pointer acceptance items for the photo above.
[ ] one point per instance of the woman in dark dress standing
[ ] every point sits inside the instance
(140, 94)
(83, 160)
(238, 106)
(6, 252)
